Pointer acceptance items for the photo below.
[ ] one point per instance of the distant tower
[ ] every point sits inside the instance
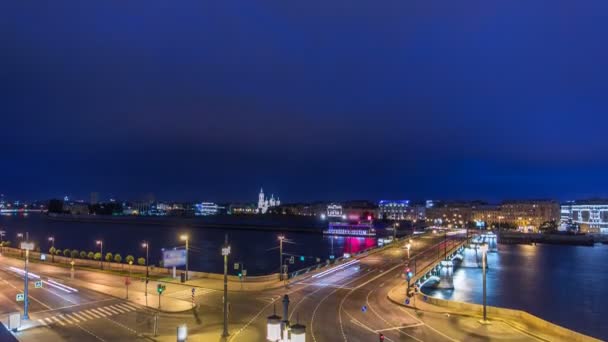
(261, 208)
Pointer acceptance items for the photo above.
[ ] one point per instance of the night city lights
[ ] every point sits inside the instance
(313, 171)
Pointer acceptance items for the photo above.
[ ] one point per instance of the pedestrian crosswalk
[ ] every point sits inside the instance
(84, 315)
(187, 293)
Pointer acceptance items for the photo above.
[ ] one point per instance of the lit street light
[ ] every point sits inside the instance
(145, 245)
(281, 238)
(186, 238)
(225, 254)
(100, 243)
(52, 239)
(484, 256)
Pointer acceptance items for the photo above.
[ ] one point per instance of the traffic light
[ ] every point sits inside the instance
(160, 288)
(301, 258)
(240, 275)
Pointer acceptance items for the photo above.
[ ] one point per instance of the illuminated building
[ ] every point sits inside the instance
(590, 215)
(206, 209)
(265, 203)
(240, 209)
(334, 210)
(394, 210)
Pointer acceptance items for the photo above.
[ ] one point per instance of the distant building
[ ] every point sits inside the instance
(242, 208)
(591, 215)
(528, 213)
(76, 208)
(334, 210)
(359, 210)
(394, 210)
(265, 203)
(206, 209)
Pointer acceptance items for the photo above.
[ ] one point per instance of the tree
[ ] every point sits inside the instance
(548, 227)
(67, 252)
(91, 255)
(58, 251)
(117, 258)
(141, 261)
(83, 255)
(52, 250)
(97, 256)
(129, 259)
(108, 257)
(74, 254)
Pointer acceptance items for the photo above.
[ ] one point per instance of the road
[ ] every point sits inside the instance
(345, 303)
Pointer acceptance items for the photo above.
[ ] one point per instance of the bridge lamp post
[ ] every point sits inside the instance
(484, 255)
(100, 243)
(186, 238)
(52, 240)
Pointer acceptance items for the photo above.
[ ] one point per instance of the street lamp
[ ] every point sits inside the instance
(100, 243)
(408, 246)
(52, 239)
(484, 256)
(225, 254)
(186, 238)
(128, 281)
(281, 238)
(20, 236)
(145, 245)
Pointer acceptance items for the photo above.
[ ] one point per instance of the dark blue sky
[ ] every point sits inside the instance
(310, 99)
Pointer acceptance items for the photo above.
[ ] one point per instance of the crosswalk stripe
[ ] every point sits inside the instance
(84, 315)
(112, 310)
(81, 317)
(102, 314)
(90, 314)
(41, 321)
(131, 306)
(66, 319)
(107, 312)
(125, 307)
(117, 308)
(73, 317)
(58, 321)
(49, 321)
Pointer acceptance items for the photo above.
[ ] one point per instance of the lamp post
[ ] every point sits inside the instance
(145, 245)
(186, 238)
(52, 239)
(408, 246)
(20, 236)
(128, 282)
(225, 254)
(27, 246)
(395, 225)
(484, 256)
(100, 243)
(281, 238)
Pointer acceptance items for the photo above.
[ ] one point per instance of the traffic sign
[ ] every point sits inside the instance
(127, 281)
(292, 260)
(27, 246)
(38, 284)
(244, 273)
(332, 257)
(236, 265)
(20, 297)
(364, 308)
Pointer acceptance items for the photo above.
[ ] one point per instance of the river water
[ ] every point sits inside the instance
(256, 249)
(567, 285)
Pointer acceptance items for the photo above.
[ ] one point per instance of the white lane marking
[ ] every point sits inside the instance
(131, 306)
(48, 320)
(29, 295)
(66, 319)
(90, 333)
(118, 308)
(42, 322)
(126, 307)
(112, 310)
(72, 317)
(107, 312)
(57, 321)
(91, 313)
(402, 327)
(72, 306)
(80, 316)
(86, 315)
(102, 314)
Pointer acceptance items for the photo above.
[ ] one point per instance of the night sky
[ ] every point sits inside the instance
(209, 100)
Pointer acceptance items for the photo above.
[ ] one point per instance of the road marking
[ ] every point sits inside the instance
(42, 322)
(119, 309)
(402, 327)
(126, 307)
(29, 295)
(131, 306)
(72, 306)
(81, 317)
(104, 310)
(91, 313)
(88, 316)
(57, 321)
(48, 320)
(99, 312)
(121, 325)
(72, 317)
(66, 319)
(112, 310)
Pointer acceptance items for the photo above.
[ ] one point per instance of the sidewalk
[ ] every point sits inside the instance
(503, 322)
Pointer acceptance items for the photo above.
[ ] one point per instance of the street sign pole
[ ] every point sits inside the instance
(26, 300)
